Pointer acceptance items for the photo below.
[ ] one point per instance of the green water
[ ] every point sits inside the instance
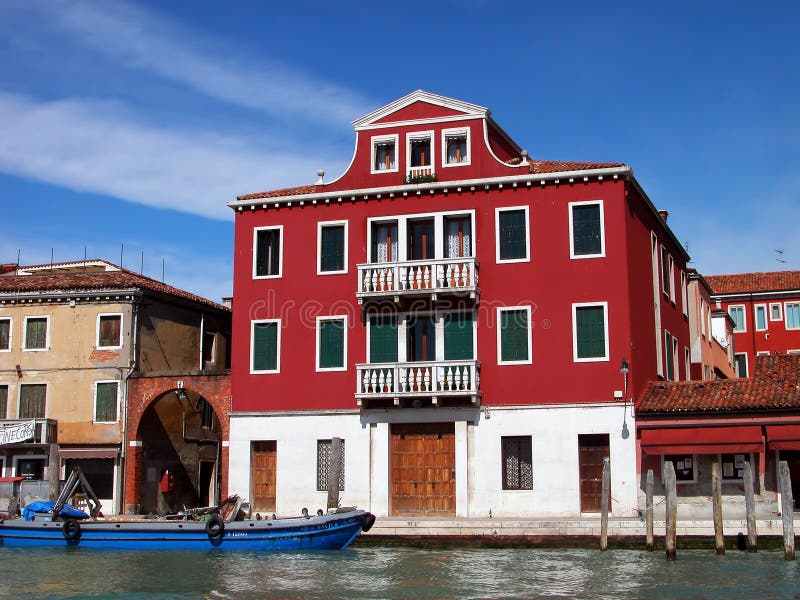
(379, 572)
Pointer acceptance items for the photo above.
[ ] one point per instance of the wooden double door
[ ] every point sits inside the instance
(592, 449)
(423, 469)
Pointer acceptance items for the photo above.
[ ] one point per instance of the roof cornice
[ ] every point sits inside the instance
(423, 96)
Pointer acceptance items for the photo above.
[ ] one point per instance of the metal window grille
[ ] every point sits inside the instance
(517, 463)
(324, 465)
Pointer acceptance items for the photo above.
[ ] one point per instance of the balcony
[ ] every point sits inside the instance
(458, 276)
(455, 380)
(16, 432)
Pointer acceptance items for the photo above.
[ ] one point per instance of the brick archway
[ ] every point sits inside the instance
(143, 391)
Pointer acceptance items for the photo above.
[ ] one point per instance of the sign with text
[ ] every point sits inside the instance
(20, 432)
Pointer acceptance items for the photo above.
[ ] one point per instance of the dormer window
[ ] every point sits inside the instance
(384, 154)
(420, 155)
(455, 147)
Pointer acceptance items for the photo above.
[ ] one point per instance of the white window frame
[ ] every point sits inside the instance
(458, 131)
(280, 251)
(94, 407)
(755, 317)
(764, 353)
(10, 333)
(320, 226)
(746, 364)
(664, 268)
(25, 334)
(374, 141)
(687, 363)
(744, 317)
(669, 349)
(575, 307)
(676, 358)
(9, 387)
(602, 252)
(419, 135)
(497, 211)
(19, 395)
(97, 331)
(500, 361)
(779, 306)
(684, 294)
(793, 351)
(277, 368)
(344, 342)
(685, 481)
(785, 315)
(671, 279)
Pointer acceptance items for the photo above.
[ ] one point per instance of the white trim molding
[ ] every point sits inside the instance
(575, 307)
(320, 226)
(529, 360)
(280, 251)
(497, 212)
(602, 252)
(25, 333)
(457, 132)
(377, 140)
(10, 333)
(97, 331)
(277, 368)
(342, 318)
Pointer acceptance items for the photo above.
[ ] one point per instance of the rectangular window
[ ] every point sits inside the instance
(586, 229)
(384, 242)
(109, 331)
(517, 451)
(458, 336)
(268, 251)
(265, 346)
(776, 311)
(684, 294)
(383, 340)
(792, 315)
(740, 364)
(761, 317)
(5, 335)
(384, 154)
(206, 415)
(670, 356)
(513, 237)
(324, 465)
(733, 466)
(684, 467)
(590, 332)
(35, 333)
(105, 401)
(420, 153)
(455, 147)
(32, 400)
(676, 355)
(687, 364)
(331, 344)
(458, 237)
(514, 335)
(332, 248)
(671, 279)
(665, 282)
(706, 372)
(3, 402)
(737, 314)
(209, 350)
(420, 339)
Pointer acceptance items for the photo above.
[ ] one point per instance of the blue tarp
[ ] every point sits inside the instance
(45, 507)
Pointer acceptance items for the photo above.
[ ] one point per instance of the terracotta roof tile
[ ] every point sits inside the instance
(775, 385)
(744, 283)
(102, 281)
(292, 191)
(557, 166)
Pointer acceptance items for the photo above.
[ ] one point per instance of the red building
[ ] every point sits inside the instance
(472, 322)
(765, 308)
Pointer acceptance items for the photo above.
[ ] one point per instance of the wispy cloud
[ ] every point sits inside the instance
(139, 39)
(94, 146)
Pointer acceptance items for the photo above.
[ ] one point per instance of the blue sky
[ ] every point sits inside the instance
(134, 123)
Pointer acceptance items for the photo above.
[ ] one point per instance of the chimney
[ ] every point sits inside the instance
(664, 214)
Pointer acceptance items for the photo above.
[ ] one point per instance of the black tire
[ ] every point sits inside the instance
(71, 530)
(215, 528)
(369, 521)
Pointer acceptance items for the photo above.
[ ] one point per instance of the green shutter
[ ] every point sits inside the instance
(32, 401)
(512, 234)
(383, 340)
(3, 401)
(332, 248)
(458, 336)
(5, 334)
(514, 335)
(586, 234)
(331, 344)
(591, 331)
(36, 333)
(106, 402)
(265, 346)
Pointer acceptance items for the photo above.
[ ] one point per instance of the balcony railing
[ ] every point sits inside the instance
(432, 380)
(44, 430)
(418, 277)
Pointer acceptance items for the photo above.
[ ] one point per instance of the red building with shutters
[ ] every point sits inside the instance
(473, 323)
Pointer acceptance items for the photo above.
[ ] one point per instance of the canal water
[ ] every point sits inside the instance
(384, 572)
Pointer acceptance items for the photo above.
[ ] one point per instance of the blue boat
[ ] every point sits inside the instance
(332, 531)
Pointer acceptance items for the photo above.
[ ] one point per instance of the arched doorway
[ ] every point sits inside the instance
(180, 437)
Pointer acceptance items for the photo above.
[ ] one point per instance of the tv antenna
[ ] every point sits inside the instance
(780, 258)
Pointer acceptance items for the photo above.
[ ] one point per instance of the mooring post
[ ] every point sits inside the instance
(605, 500)
(787, 507)
(716, 502)
(672, 507)
(750, 507)
(649, 510)
(53, 471)
(334, 472)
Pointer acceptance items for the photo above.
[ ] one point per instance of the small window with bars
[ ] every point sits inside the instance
(517, 462)
(324, 465)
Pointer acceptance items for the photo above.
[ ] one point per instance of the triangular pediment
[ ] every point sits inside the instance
(420, 105)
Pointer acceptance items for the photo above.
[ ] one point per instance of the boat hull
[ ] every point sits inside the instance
(327, 532)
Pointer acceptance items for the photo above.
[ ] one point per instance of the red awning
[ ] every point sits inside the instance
(702, 440)
(783, 437)
(88, 453)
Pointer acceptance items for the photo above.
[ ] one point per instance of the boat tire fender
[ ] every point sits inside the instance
(71, 530)
(215, 527)
(369, 521)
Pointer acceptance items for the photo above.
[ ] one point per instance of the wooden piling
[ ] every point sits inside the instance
(716, 501)
(334, 470)
(750, 507)
(605, 500)
(649, 510)
(787, 507)
(670, 485)
(53, 472)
